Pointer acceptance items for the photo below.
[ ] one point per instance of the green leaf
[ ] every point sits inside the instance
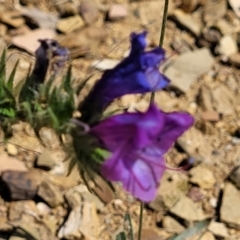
(99, 155)
(47, 87)
(11, 78)
(121, 236)
(53, 118)
(17, 90)
(10, 112)
(9, 94)
(27, 107)
(190, 232)
(3, 67)
(128, 218)
(67, 86)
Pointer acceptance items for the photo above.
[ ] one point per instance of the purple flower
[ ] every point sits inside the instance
(137, 73)
(137, 142)
(49, 51)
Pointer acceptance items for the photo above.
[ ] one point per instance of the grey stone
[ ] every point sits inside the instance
(214, 10)
(227, 46)
(187, 21)
(230, 204)
(218, 229)
(202, 176)
(50, 193)
(207, 236)
(188, 67)
(45, 160)
(186, 209)
(172, 225)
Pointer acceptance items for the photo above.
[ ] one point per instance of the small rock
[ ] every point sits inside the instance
(51, 194)
(22, 185)
(218, 98)
(187, 21)
(202, 176)
(186, 209)
(74, 198)
(235, 59)
(29, 41)
(82, 220)
(17, 208)
(70, 24)
(157, 204)
(89, 197)
(218, 229)
(213, 202)
(43, 208)
(149, 234)
(5, 226)
(12, 18)
(225, 27)
(105, 64)
(117, 12)
(90, 223)
(18, 234)
(26, 230)
(211, 116)
(172, 225)
(88, 11)
(51, 222)
(227, 46)
(207, 236)
(173, 187)
(230, 204)
(185, 70)
(10, 163)
(189, 6)
(211, 37)
(45, 160)
(12, 149)
(195, 194)
(235, 4)
(235, 177)
(214, 10)
(43, 19)
(3, 31)
(70, 229)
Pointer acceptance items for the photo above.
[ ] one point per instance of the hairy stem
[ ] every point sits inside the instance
(162, 34)
(140, 221)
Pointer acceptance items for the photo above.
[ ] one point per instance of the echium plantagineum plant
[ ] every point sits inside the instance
(129, 147)
(136, 141)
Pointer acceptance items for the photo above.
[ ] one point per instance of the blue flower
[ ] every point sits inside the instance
(137, 73)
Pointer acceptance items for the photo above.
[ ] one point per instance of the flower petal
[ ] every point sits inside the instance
(138, 177)
(138, 42)
(138, 129)
(176, 124)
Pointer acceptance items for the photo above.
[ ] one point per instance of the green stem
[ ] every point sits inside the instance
(164, 21)
(140, 221)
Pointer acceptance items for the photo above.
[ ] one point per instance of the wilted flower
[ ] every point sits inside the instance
(137, 142)
(137, 73)
(49, 50)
